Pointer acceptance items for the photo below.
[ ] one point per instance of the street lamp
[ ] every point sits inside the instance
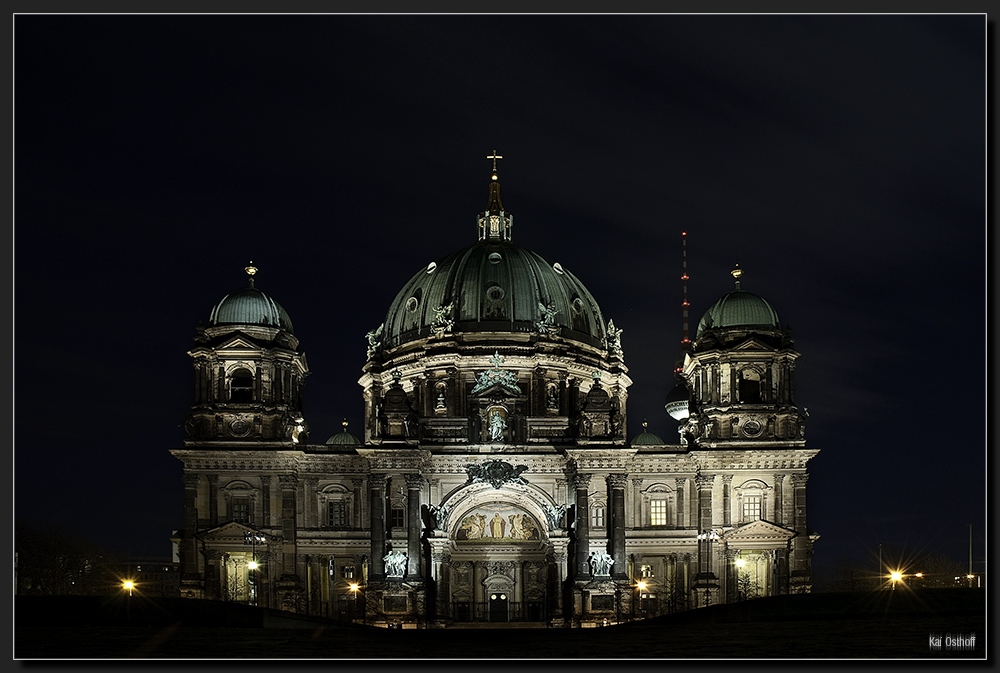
(354, 603)
(895, 576)
(706, 579)
(740, 590)
(128, 585)
(639, 588)
(253, 538)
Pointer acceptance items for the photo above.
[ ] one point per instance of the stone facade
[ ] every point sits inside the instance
(493, 481)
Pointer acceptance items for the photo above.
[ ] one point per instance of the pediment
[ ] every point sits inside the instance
(752, 344)
(498, 390)
(238, 341)
(231, 532)
(759, 531)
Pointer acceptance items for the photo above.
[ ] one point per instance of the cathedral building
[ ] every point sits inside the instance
(493, 480)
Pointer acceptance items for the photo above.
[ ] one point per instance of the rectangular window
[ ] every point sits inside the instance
(336, 514)
(396, 517)
(347, 572)
(241, 510)
(752, 507)
(646, 571)
(658, 512)
(597, 517)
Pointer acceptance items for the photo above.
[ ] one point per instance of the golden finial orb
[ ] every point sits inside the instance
(251, 269)
(737, 272)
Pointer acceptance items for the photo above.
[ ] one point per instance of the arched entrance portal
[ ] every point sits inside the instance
(500, 564)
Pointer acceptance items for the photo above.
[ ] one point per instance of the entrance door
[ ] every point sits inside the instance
(498, 607)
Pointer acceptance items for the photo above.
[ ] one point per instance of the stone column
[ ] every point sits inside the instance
(582, 484)
(414, 482)
(616, 500)
(681, 484)
(288, 483)
(636, 513)
(555, 593)
(440, 573)
(704, 484)
(727, 480)
(519, 584)
(213, 500)
(189, 548)
(265, 497)
(356, 521)
(800, 571)
(779, 499)
(315, 589)
(377, 485)
(310, 505)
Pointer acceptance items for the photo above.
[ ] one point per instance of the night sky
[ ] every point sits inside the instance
(839, 159)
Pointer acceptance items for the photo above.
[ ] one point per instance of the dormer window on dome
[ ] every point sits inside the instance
(495, 223)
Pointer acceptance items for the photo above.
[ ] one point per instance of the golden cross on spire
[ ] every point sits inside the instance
(494, 157)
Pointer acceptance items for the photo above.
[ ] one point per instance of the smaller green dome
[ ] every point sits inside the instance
(739, 309)
(344, 438)
(250, 306)
(645, 438)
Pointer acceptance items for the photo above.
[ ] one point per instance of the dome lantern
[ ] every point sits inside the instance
(495, 223)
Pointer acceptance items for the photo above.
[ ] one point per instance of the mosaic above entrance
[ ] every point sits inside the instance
(497, 523)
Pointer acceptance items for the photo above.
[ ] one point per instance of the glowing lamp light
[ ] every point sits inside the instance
(642, 586)
(895, 576)
(354, 587)
(252, 565)
(740, 562)
(128, 585)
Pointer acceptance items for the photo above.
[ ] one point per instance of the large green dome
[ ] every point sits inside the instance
(493, 286)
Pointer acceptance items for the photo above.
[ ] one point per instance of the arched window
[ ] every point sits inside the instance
(751, 501)
(597, 515)
(239, 498)
(241, 385)
(750, 386)
(337, 505)
(659, 503)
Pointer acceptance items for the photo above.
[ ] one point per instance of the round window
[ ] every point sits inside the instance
(495, 293)
(495, 258)
(752, 428)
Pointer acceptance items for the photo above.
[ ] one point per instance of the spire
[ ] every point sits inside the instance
(685, 334)
(251, 270)
(495, 223)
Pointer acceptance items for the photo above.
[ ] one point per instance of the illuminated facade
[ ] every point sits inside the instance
(493, 480)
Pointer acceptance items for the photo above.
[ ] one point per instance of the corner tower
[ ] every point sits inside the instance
(249, 373)
(739, 374)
